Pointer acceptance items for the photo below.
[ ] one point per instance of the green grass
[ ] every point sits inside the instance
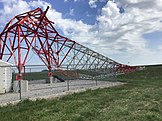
(33, 76)
(44, 75)
(140, 99)
(36, 75)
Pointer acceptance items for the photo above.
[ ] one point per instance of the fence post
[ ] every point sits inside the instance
(67, 81)
(20, 89)
(68, 85)
(30, 75)
(96, 82)
(115, 73)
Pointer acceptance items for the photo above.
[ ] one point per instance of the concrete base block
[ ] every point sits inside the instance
(49, 80)
(2, 90)
(24, 86)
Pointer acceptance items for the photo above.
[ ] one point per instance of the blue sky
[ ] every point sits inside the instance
(79, 10)
(128, 31)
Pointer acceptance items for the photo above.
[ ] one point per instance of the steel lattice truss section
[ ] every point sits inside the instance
(83, 58)
(33, 31)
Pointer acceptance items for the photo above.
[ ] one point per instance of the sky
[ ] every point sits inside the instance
(127, 31)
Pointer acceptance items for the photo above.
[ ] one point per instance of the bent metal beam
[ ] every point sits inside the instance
(33, 31)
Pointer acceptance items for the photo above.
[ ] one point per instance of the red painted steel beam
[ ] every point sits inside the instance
(33, 31)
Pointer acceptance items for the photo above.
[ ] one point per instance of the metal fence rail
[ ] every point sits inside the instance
(38, 86)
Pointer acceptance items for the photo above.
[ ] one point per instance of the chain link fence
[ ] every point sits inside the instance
(38, 85)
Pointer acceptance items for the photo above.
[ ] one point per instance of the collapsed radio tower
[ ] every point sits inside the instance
(33, 31)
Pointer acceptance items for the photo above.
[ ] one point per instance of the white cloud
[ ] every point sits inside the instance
(87, 14)
(71, 13)
(65, 0)
(126, 30)
(92, 3)
(115, 35)
(12, 8)
(71, 0)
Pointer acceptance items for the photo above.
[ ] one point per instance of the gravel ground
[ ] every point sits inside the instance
(48, 91)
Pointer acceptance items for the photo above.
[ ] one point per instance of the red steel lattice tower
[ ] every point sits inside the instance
(32, 31)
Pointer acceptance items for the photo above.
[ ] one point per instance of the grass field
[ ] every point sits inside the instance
(140, 99)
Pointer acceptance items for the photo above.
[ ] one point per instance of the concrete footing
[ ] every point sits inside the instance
(24, 86)
(49, 80)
